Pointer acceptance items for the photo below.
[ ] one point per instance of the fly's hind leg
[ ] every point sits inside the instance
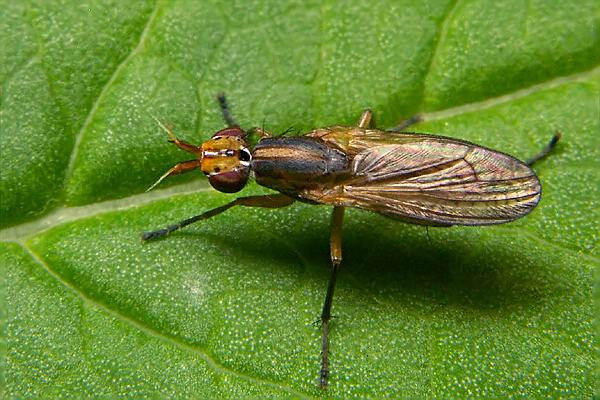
(546, 150)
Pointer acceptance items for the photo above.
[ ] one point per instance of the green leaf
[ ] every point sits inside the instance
(226, 308)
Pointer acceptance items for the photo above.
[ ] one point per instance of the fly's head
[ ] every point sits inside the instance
(225, 160)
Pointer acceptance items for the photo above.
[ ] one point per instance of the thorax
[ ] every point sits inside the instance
(293, 164)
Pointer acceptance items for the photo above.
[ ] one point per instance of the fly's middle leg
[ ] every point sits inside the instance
(335, 243)
(365, 119)
(406, 123)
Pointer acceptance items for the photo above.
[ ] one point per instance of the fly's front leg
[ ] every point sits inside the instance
(182, 144)
(176, 170)
(268, 201)
(225, 110)
(335, 244)
(182, 166)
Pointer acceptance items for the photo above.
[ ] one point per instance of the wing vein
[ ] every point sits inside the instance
(430, 180)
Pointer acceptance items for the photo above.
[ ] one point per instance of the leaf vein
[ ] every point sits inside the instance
(491, 102)
(441, 39)
(105, 89)
(210, 361)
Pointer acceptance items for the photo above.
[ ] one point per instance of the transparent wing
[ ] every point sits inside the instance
(433, 180)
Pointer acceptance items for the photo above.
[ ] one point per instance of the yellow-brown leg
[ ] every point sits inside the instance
(335, 249)
(176, 170)
(267, 201)
(182, 166)
(365, 119)
(335, 245)
(182, 144)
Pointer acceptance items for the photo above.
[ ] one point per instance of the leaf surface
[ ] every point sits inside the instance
(226, 308)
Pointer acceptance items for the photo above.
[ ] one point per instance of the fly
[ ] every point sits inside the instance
(416, 178)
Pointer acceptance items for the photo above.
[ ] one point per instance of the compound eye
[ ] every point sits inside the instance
(231, 131)
(245, 155)
(229, 181)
